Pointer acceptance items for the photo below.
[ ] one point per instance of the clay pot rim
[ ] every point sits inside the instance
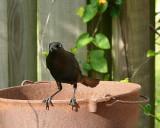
(84, 100)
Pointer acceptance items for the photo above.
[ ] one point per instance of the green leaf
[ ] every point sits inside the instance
(157, 102)
(106, 77)
(148, 109)
(45, 53)
(94, 2)
(83, 40)
(159, 21)
(125, 80)
(120, 2)
(102, 8)
(79, 61)
(89, 12)
(114, 12)
(87, 67)
(147, 114)
(158, 28)
(101, 41)
(80, 11)
(157, 13)
(150, 53)
(98, 62)
(158, 117)
(74, 50)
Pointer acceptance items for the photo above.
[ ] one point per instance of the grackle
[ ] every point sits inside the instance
(64, 68)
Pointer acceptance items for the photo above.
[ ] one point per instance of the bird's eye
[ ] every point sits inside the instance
(58, 46)
(50, 45)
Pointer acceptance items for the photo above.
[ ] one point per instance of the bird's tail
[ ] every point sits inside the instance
(89, 81)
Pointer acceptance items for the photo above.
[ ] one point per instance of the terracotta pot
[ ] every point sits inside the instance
(22, 107)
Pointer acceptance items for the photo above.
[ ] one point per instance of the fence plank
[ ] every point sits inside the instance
(3, 45)
(132, 28)
(63, 26)
(22, 38)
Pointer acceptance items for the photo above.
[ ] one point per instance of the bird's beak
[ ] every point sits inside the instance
(54, 48)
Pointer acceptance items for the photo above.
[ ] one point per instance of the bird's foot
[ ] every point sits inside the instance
(73, 102)
(48, 102)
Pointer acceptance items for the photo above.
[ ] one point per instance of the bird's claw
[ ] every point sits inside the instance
(48, 102)
(73, 102)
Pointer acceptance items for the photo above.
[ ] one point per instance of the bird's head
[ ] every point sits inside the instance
(55, 47)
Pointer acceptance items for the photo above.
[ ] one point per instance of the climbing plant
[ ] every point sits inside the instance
(95, 59)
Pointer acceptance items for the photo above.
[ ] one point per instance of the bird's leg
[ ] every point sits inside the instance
(73, 100)
(48, 100)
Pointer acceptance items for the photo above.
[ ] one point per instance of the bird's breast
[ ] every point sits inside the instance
(59, 64)
(63, 68)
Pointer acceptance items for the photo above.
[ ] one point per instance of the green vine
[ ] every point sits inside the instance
(96, 60)
(147, 108)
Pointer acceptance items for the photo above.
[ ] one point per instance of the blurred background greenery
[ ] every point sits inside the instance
(157, 68)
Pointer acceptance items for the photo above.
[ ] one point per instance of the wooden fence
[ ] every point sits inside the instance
(21, 56)
(18, 42)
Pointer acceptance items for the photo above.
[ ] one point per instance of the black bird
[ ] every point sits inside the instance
(64, 68)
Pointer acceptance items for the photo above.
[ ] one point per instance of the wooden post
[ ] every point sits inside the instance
(3, 45)
(132, 31)
(105, 28)
(152, 62)
(22, 40)
(63, 26)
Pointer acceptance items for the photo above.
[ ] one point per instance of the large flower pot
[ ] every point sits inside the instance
(22, 107)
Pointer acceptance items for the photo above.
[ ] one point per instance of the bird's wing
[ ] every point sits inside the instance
(75, 63)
